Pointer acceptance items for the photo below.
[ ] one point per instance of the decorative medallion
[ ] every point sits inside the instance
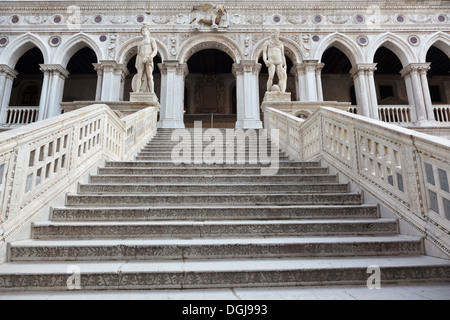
(15, 19)
(414, 40)
(54, 41)
(363, 40)
(98, 19)
(400, 18)
(3, 41)
(57, 19)
(359, 19)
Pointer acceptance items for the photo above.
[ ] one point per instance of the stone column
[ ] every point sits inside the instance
(415, 75)
(366, 94)
(308, 80)
(52, 90)
(172, 94)
(247, 86)
(98, 92)
(7, 76)
(113, 80)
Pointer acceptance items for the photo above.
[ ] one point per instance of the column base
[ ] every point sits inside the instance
(249, 124)
(171, 124)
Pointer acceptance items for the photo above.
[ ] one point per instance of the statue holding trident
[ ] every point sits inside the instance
(273, 55)
(146, 51)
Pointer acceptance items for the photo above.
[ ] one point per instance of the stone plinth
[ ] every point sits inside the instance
(277, 96)
(148, 97)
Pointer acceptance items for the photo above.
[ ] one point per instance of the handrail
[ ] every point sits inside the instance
(405, 170)
(41, 160)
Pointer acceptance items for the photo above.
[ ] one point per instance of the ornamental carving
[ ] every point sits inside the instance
(338, 19)
(207, 15)
(297, 20)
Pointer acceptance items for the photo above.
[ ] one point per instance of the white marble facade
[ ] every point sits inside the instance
(59, 29)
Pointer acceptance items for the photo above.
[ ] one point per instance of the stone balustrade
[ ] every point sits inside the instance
(442, 113)
(404, 170)
(43, 160)
(395, 114)
(21, 115)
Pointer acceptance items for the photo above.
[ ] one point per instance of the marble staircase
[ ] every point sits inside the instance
(150, 224)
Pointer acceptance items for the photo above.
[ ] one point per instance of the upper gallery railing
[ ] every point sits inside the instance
(405, 170)
(442, 113)
(40, 161)
(21, 115)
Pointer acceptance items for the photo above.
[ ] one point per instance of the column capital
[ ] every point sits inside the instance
(246, 66)
(415, 67)
(56, 69)
(363, 68)
(173, 66)
(307, 66)
(7, 71)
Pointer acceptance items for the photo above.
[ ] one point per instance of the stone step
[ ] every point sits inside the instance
(120, 200)
(216, 229)
(198, 170)
(204, 248)
(169, 146)
(248, 154)
(235, 160)
(213, 188)
(199, 274)
(215, 179)
(197, 213)
(142, 162)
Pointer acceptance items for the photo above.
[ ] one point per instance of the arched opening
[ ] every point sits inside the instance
(439, 76)
(390, 86)
(27, 86)
(131, 66)
(82, 81)
(209, 87)
(264, 77)
(23, 106)
(336, 82)
(439, 83)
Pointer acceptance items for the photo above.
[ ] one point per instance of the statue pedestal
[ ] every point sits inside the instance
(148, 97)
(277, 96)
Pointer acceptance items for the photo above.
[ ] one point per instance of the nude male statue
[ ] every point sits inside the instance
(146, 51)
(273, 55)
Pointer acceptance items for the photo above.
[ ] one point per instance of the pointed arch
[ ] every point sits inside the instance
(71, 46)
(201, 42)
(292, 50)
(343, 43)
(129, 49)
(440, 40)
(21, 45)
(397, 45)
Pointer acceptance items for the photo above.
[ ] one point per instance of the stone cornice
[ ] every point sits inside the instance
(237, 5)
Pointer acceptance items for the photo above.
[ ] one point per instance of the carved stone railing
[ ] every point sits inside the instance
(21, 115)
(406, 171)
(442, 113)
(394, 114)
(43, 160)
